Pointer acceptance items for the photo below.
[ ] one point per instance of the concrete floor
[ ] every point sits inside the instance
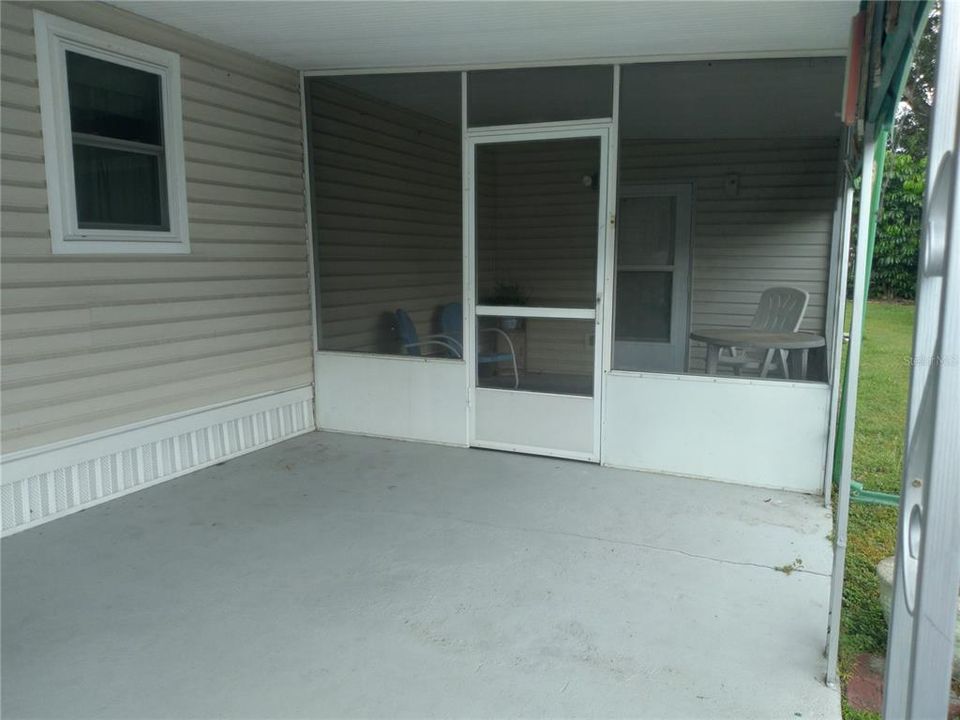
(339, 576)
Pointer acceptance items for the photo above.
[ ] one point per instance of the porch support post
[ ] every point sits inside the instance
(919, 644)
(874, 143)
(468, 259)
(312, 271)
(838, 304)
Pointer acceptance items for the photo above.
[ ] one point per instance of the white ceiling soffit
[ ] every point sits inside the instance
(386, 35)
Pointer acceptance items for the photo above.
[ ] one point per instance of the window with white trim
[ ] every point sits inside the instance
(113, 141)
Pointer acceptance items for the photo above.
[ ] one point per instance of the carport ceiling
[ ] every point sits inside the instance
(371, 35)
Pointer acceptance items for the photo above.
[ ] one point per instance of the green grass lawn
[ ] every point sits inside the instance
(877, 463)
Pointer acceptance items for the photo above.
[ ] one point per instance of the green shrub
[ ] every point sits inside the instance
(898, 228)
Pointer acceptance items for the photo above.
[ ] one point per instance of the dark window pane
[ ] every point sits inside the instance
(116, 188)
(114, 100)
(643, 306)
(646, 230)
(506, 97)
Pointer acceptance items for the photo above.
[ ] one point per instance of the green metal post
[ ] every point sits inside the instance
(879, 157)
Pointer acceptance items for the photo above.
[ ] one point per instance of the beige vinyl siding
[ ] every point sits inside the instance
(387, 220)
(777, 229)
(560, 346)
(100, 341)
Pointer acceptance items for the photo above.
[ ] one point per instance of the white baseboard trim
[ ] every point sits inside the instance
(48, 482)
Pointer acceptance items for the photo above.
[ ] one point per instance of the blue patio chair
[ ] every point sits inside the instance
(411, 342)
(451, 325)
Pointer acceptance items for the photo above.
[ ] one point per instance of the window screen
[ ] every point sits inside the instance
(387, 195)
(508, 97)
(725, 215)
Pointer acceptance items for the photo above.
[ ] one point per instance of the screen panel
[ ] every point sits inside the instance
(537, 95)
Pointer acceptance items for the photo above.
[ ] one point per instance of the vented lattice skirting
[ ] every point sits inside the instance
(66, 488)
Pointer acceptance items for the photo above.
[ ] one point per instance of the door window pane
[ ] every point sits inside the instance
(112, 100)
(646, 232)
(533, 95)
(643, 305)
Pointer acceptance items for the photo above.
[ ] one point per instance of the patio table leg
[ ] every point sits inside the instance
(767, 360)
(797, 362)
(788, 371)
(713, 358)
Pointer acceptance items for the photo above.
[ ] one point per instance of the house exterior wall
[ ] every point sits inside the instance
(95, 343)
(92, 342)
(387, 216)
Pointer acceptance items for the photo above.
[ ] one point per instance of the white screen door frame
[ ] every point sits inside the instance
(518, 420)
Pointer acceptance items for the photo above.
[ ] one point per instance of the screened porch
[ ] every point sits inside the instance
(552, 260)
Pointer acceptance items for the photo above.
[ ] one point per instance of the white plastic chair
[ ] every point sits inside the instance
(780, 310)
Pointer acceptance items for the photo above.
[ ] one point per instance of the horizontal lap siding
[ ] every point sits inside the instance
(94, 342)
(776, 230)
(387, 224)
(560, 346)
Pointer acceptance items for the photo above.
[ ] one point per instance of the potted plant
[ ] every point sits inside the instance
(508, 294)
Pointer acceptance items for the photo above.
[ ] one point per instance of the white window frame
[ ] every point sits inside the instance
(54, 36)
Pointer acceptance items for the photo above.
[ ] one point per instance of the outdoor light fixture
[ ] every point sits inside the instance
(731, 185)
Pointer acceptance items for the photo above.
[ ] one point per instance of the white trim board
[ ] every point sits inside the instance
(580, 61)
(51, 481)
(536, 312)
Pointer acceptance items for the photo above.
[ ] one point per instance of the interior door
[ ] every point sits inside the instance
(652, 277)
(536, 223)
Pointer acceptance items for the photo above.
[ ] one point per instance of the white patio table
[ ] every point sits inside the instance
(796, 344)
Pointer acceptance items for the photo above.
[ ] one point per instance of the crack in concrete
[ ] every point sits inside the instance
(612, 541)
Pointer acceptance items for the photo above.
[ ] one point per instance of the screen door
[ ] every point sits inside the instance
(537, 207)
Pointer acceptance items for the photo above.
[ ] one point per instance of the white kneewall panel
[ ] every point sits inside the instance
(400, 397)
(750, 432)
(558, 425)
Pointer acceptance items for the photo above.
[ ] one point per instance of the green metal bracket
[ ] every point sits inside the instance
(872, 497)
